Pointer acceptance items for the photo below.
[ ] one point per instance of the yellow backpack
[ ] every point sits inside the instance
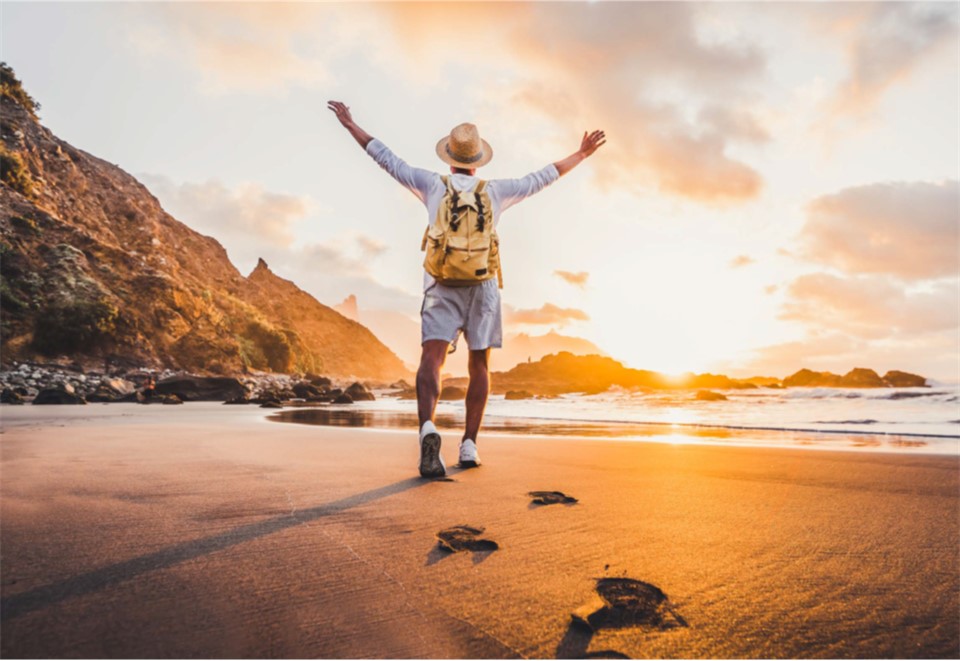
(462, 246)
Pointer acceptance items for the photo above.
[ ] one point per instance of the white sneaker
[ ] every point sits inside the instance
(469, 457)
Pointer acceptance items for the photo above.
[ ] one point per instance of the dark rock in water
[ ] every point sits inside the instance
(898, 379)
(202, 388)
(336, 392)
(400, 385)
(860, 377)
(809, 378)
(10, 396)
(910, 395)
(465, 538)
(272, 404)
(407, 394)
(243, 399)
(518, 394)
(710, 396)
(359, 393)
(452, 393)
(59, 395)
(343, 398)
(627, 602)
(551, 498)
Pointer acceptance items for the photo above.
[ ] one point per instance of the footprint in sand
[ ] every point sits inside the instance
(619, 603)
(465, 538)
(551, 498)
(627, 602)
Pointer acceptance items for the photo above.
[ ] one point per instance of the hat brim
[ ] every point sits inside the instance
(485, 156)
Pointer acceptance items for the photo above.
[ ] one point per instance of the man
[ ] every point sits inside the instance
(473, 310)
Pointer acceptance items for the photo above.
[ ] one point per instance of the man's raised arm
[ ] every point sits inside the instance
(343, 114)
(590, 143)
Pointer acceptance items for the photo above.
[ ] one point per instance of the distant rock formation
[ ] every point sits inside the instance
(348, 308)
(95, 272)
(859, 377)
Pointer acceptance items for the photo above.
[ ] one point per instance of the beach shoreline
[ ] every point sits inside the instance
(210, 531)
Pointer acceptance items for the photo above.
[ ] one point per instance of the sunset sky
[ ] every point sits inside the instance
(779, 188)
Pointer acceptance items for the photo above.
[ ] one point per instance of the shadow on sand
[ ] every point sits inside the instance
(41, 597)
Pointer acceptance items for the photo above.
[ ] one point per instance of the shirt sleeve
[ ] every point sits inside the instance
(511, 191)
(417, 180)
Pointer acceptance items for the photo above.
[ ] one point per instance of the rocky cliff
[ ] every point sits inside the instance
(95, 271)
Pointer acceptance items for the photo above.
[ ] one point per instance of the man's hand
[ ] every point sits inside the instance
(590, 143)
(342, 111)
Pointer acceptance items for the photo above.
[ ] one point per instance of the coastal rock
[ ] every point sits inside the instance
(103, 394)
(306, 390)
(518, 394)
(117, 385)
(202, 388)
(62, 394)
(898, 379)
(400, 385)
(319, 381)
(359, 393)
(452, 394)
(272, 404)
(861, 377)
(10, 396)
(343, 398)
(710, 396)
(242, 399)
(809, 379)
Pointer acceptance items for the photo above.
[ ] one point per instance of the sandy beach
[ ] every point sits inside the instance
(208, 531)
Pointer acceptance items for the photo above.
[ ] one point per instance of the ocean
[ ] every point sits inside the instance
(912, 420)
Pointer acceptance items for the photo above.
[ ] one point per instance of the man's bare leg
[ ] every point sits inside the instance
(428, 392)
(432, 357)
(477, 392)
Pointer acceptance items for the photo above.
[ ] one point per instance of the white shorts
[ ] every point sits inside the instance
(473, 311)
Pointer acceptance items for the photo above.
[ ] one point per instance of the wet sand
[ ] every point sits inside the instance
(204, 530)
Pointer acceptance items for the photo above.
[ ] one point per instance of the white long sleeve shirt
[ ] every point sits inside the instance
(429, 188)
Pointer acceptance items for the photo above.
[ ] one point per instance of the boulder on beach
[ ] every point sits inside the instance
(61, 394)
(272, 404)
(10, 396)
(103, 395)
(202, 388)
(861, 377)
(306, 390)
(319, 381)
(343, 398)
(242, 399)
(710, 396)
(518, 394)
(400, 384)
(359, 393)
(118, 386)
(898, 379)
(453, 393)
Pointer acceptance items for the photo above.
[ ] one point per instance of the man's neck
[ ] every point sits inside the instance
(465, 171)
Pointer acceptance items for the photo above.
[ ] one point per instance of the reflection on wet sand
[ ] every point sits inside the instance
(666, 432)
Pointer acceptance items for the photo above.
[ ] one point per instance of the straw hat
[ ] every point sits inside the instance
(464, 148)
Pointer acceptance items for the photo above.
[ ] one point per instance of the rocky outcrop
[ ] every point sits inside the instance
(898, 379)
(518, 394)
(62, 394)
(861, 377)
(452, 394)
(94, 271)
(811, 379)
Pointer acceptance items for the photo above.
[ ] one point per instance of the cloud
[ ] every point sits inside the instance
(605, 65)
(369, 246)
(905, 229)
(741, 260)
(245, 215)
(872, 306)
(891, 41)
(547, 314)
(578, 279)
(245, 47)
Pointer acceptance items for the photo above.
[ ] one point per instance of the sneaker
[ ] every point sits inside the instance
(431, 463)
(469, 457)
